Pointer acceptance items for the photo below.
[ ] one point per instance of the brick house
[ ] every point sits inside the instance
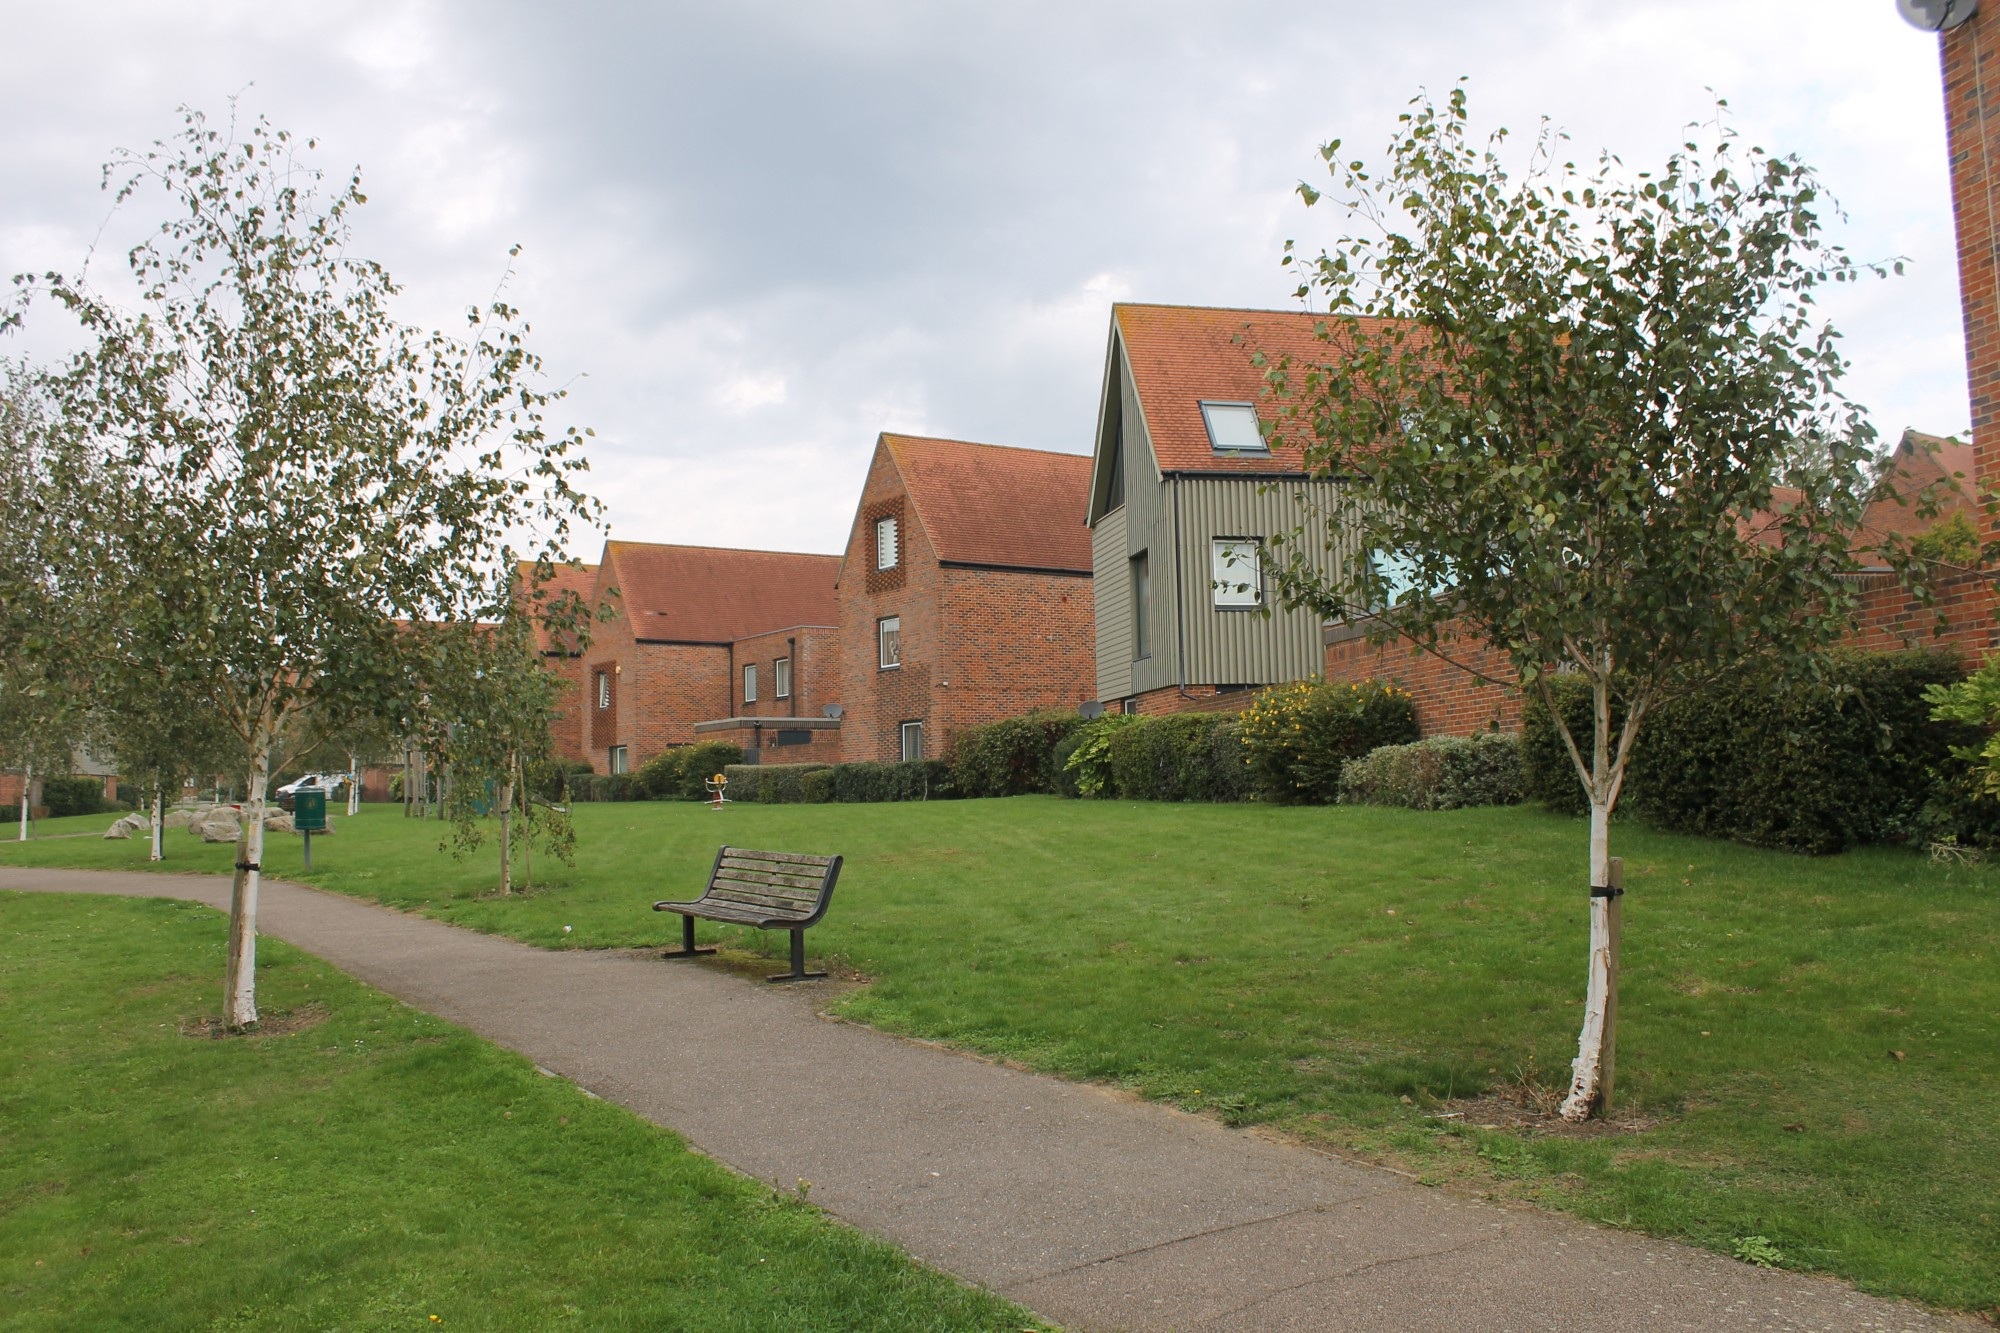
(964, 593)
(694, 628)
(563, 660)
(1185, 492)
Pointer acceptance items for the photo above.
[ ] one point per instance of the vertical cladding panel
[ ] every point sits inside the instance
(1111, 587)
(1243, 647)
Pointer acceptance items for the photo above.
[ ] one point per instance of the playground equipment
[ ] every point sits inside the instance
(718, 787)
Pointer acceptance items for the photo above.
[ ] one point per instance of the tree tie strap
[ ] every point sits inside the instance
(1600, 891)
(252, 865)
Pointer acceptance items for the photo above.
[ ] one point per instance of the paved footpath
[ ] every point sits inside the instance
(1095, 1209)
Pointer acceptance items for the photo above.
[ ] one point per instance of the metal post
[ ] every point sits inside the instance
(309, 849)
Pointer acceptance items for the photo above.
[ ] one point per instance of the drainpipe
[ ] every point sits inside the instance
(729, 708)
(792, 665)
(1180, 602)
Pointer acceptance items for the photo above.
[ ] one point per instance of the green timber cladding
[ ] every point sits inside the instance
(1162, 516)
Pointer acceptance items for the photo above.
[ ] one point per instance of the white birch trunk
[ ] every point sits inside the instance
(506, 832)
(1585, 1096)
(240, 978)
(353, 784)
(159, 829)
(27, 797)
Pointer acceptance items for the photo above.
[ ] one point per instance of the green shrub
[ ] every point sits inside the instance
(1083, 758)
(1808, 766)
(1178, 758)
(548, 779)
(1442, 773)
(1295, 737)
(1011, 757)
(816, 787)
(605, 787)
(74, 796)
(916, 780)
(682, 773)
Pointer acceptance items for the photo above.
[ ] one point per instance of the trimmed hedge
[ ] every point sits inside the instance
(681, 774)
(1012, 757)
(769, 784)
(1442, 773)
(1179, 757)
(914, 780)
(1808, 766)
(1296, 737)
(606, 787)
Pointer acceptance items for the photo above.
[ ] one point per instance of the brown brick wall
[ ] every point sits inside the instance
(977, 644)
(815, 654)
(1013, 643)
(878, 701)
(1194, 699)
(659, 691)
(1970, 57)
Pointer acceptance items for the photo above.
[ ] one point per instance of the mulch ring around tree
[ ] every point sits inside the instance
(278, 1023)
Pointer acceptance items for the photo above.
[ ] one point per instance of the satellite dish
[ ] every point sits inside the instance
(1937, 15)
(1092, 710)
(833, 711)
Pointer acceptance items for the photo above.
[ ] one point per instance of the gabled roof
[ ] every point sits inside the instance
(1923, 465)
(710, 594)
(579, 579)
(985, 504)
(1181, 356)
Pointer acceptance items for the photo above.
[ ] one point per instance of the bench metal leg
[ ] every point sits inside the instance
(798, 972)
(687, 949)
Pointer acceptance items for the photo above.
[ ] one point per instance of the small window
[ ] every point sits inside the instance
(1129, 707)
(750, 684)
(618, 759)
(913, 741)
(1397, 575)
(886, 546)
(781, 678)
(604, 689)
(1238, 578)
(1142, 635)
(889, 635)
(1232, 428)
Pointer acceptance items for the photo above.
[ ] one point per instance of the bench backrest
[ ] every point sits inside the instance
(785, 884)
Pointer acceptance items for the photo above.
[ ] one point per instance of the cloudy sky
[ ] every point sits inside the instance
(757, 233)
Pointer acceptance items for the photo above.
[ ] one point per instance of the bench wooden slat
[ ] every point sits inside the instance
(743, 874)
(796, 858)
(784, 891)
(769, 906)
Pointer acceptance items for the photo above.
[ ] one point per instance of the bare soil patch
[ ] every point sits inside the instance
(281, 1023)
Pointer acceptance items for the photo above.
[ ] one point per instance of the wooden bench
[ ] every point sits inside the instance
(768, 890)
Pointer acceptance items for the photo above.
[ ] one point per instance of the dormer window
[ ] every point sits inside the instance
(886, 548)
(1232, 428)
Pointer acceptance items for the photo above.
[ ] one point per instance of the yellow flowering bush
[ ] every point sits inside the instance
(1296, 736)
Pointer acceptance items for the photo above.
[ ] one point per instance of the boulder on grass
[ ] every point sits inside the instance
(218, 825)
(278, 821)
(179, 818)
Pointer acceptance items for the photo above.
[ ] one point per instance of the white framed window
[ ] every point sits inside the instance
(604, 689)
(913, 741)
(750, 684)
(1232, 428)
(1238, 578)
(889, 638)
(781, 678)
(888, 547)
(617, 758)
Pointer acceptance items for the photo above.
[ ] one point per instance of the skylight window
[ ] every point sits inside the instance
(1232, 428)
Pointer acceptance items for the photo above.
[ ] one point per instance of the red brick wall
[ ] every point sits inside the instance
(977, 644)
(1971, 56)
(567, 732)
(815, 654)
(1195, 699)
(1013, 643)
(1450, 701)
(659, 691)
(878, 701)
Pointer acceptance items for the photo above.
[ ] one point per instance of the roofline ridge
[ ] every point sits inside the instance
(979, 444)
(691, 546)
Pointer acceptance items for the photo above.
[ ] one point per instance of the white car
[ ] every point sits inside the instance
(326, 782)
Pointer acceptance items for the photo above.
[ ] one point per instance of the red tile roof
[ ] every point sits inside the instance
(708, 594)
(1181, 356)
(1923, 462)
(579, 579)
(984, 504)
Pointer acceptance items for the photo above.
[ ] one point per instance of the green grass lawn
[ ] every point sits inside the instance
(1349, 975)
(373, 1168)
